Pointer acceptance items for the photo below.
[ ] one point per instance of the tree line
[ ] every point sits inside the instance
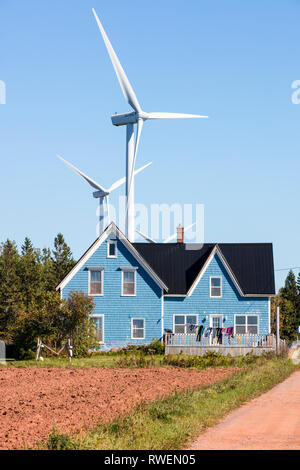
(288, 300)
(30, 306)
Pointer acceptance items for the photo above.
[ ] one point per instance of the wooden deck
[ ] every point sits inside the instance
(236, 345)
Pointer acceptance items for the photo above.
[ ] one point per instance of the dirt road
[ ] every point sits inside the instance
(269, 422)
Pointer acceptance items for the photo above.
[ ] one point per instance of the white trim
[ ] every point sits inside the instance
(245, 315)
(96, 315)
(144, 327)
(98, 269)
(111, 228)
(175, 295)
(111, 242)
(269, 313)
(221, 287)
(130, 270)
(184, 315)
(162, 314)
(216, 250)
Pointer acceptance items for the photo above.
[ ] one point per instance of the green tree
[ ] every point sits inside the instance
(62, 262)
(30, 272)
(289, 308)
(55, 321)
(10, 297)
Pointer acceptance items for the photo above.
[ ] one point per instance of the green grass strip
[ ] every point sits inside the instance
(173, 422)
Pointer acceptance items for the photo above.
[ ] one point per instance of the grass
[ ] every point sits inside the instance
(173, 422)
(138, 359)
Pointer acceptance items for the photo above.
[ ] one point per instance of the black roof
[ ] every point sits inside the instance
(178, 264)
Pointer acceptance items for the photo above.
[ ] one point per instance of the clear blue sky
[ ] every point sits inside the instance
(233, 60)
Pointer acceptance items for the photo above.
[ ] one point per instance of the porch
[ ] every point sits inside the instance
(235, 345)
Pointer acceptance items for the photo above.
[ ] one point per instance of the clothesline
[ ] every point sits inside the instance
(199, 330)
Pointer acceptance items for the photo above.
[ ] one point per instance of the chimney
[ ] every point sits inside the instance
(180, 234)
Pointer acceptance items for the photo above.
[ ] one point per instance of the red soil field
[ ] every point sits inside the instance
(33, 400)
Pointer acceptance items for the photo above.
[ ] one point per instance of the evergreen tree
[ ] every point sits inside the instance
(62, 260)
(289, 308)
(30, 272)
(10, 297)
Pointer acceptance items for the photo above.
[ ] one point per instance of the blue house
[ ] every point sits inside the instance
(141, 290)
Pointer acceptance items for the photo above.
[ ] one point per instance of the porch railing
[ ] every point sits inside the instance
(245, 340)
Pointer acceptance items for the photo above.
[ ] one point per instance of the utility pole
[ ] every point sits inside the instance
(277, 330)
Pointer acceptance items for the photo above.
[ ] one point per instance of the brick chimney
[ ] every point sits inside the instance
(180, 234)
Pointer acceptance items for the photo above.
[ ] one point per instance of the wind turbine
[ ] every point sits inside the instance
(102, 194)
(138, 116)
(167, 240)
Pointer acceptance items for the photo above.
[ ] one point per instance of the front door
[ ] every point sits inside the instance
(216, 321)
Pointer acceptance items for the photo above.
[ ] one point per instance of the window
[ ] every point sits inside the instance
(111, 249)
(99, 322)
(246, 324)
(128, 282)
(216, 287)
(137, 328)
(96, 281)
(182, 322)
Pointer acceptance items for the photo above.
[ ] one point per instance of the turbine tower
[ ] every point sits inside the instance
(138, 116)
(102, 194)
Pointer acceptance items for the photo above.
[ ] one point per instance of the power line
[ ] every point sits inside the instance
(288, 269)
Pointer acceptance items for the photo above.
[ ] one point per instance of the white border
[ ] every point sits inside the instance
(111, 242)
(131, 270)
(96, 315)
(183, 315)
(101, 269)
(246, 315)
(221, 286)
(144, 320)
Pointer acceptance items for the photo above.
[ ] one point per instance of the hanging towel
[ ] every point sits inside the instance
(199, 332)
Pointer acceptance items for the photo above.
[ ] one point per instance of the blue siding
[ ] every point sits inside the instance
(229, 304)
(118, 310)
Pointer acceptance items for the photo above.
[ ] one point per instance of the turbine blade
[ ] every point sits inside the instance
(93, 183)
(142, 168)
(121, 181)
(167, 240)
(123, 80)
(173, 116)
(145, 237)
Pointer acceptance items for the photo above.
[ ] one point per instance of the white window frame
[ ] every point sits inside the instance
(185, 327)
(111, 242)
(215, 315)
(102, 281)
(246, 315)
(210, 287)
(144, 328)
(122, 281)
(99, 316)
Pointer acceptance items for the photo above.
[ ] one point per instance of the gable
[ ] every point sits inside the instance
(111, 232)
(216, 268)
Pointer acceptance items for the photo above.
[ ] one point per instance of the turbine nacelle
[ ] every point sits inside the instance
(99, 194)
(128, 118)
